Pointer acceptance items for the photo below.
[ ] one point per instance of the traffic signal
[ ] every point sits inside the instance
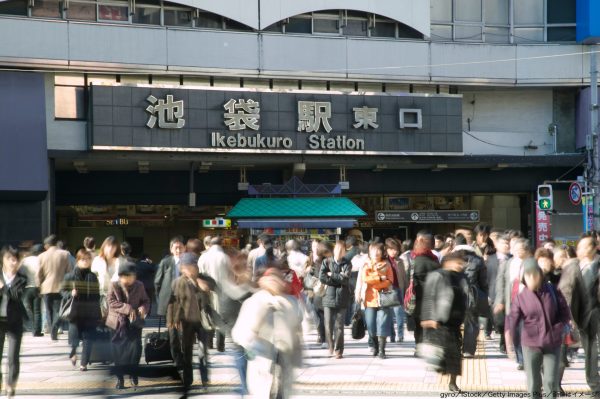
(544, 197)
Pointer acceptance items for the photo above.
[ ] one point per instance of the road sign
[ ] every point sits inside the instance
(575, 192)
(545, 204)
(429, 216)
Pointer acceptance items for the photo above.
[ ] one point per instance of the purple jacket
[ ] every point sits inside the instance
(543, 323)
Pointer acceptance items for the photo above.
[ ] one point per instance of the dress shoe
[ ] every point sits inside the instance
(453, 387)
(120, 384)
(520, 367)
(38, 334)
(134, 380)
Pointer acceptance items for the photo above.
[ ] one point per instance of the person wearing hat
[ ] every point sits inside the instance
(545, 315)
(190, 314)
(128, 306)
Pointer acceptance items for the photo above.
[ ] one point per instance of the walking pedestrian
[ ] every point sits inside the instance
(89, 243)
(319, 251)
(392, 248)
(189, 313)
(12, 288)
(106, 266)
(545, 316)
(377, 275)
(295, 258)
(335, 274)
(128, 306)
(502, 256)
(30, 265)
(54, 264)
(82, 285)
(545, 259)
(443, 311)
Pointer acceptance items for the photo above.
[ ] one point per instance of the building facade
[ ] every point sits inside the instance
(115, 112)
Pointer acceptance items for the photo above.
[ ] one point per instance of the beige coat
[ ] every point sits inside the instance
(54, 264)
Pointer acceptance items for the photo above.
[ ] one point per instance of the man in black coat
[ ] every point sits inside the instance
(168, 271)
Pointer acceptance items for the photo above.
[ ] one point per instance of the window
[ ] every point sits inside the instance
(209, 20)
(496, 12)
(326, 22)
(467, 10)
(467, 33)
(178, 17)
(405, 31)
(355, 27)
(113, 12)
(145, 14)
(299, 25)
(46, 9)
(84, 11)
(13, 7)
(529, 12)
(441, 32)
(235, 25)
(69, 97)
(497, 35)
(561, 11)
(441, 10)
(528, 35)
(276, 27)
(561, 34)
(383, 28)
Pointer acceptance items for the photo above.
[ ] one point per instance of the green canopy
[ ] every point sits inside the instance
(307, 207)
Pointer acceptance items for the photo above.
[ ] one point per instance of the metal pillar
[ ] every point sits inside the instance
(593, 139)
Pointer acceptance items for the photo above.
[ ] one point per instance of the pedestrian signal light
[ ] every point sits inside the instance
(544, 197)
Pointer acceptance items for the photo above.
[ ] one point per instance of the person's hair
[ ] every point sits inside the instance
(392, 244)
(111, 240)
(549, 241)
(482, 228)
(292, 245)
(378, 246)
(217, 240)
(503, 237)
(592, 239)
(453, 257)
(407, 245)
(36, 249)
(543, 253)
(51, 240)
(363, 248)
(325, 249)
(425, 236)
(266, 241)
(8, 250)
(83, 253)
(89, 243)
(194, 245)
(206, 241)
(351, 241)
(126, 248)
(61, 244)
(460, 239)
(438, 237)
(569, 250)
(525, 243)
(514, 234)
(175, 240)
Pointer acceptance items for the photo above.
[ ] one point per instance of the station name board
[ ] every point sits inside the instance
(253, 121)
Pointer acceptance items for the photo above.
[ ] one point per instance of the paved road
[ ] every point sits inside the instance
(47, 372)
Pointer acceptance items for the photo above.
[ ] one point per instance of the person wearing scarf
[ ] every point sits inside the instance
(377, 275)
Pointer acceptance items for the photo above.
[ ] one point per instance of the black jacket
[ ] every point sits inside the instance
(12, 297)
(337, 294)
(440, 302)
(87, 302)
(420, 267)
(162, 282)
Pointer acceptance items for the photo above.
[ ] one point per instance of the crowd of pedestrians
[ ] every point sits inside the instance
(541, 302)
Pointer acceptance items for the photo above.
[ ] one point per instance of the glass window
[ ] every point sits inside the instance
(529, 12)
(299, 25)
(276, 27)
(528, 35)
(384, 29)
(113, 12)
(146, 15)
(13, 7)
(355, 27)
(405, 31)
(468, 10)
(441, 32)
(81, 11)
(210, 21)
(235, 25)
(46, 8)
(321, 25)
(561, 34)
(441, 10)
(561, 11)
(496, 35)
(69, 102)
(467, 33)
(496, 12)
(178, 17)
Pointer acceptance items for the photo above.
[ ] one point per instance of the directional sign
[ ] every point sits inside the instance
(430, 216)
(545, 204)
(575, 193)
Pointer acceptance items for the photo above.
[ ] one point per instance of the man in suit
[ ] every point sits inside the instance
(168, 271)
(54, 264)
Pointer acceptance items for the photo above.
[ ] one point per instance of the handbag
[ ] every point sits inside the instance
(358, 325)
(67, 309)
(432, 354)
(388, 299)
(319, 288)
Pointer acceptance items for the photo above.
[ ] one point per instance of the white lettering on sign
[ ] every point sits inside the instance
(242, 114)
(313, 114)
(168, 114)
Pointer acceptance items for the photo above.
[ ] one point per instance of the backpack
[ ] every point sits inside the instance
(410, 297)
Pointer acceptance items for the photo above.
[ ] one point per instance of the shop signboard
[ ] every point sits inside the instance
(217, 223)
(427, 216)
(543, 226)
(587, 208)
(146, 118)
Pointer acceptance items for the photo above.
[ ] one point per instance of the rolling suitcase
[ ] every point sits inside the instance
(157, 347)
(101, 347)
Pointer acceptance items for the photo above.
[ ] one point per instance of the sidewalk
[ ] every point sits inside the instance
(46, 370)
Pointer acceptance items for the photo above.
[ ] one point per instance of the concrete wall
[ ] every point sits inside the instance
(90, 46)
(62, 134)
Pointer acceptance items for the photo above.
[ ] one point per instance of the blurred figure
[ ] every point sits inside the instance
(194, 246)
(377, 275)
(549, 245)
(54, 264)
(12, 288)
(269, 329)
(206, 242)
(392, 248)
(291, 278)
(467, 233)
(146, 273)
(128, 306)
(295, 259)
(189, 314)
(82, 284)
(89, 243)
(268, 259)
(263, 241)
(438, 241)
(545, 315)
(319, 251)
(335, 274)
(443, 311)
(30, 265)
(545, 259)
(502, 257)
(106, 266)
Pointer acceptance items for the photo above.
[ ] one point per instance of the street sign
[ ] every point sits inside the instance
(575, 192)
(428, 216)
(545, 204)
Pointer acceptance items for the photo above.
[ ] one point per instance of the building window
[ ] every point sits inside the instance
(83, 11)
(383, 28)
(209, 20)
(118, 11)
(47, 9)
(230, 24)
(69, 97)
(177, 17)
(13, 7)
(146, 14)
(326, 22)
(299, 24)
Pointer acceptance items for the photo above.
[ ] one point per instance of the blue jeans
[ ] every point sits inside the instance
(399, 316)
(379, 321)
(241, 364)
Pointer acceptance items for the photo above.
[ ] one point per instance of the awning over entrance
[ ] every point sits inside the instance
(321, 212)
